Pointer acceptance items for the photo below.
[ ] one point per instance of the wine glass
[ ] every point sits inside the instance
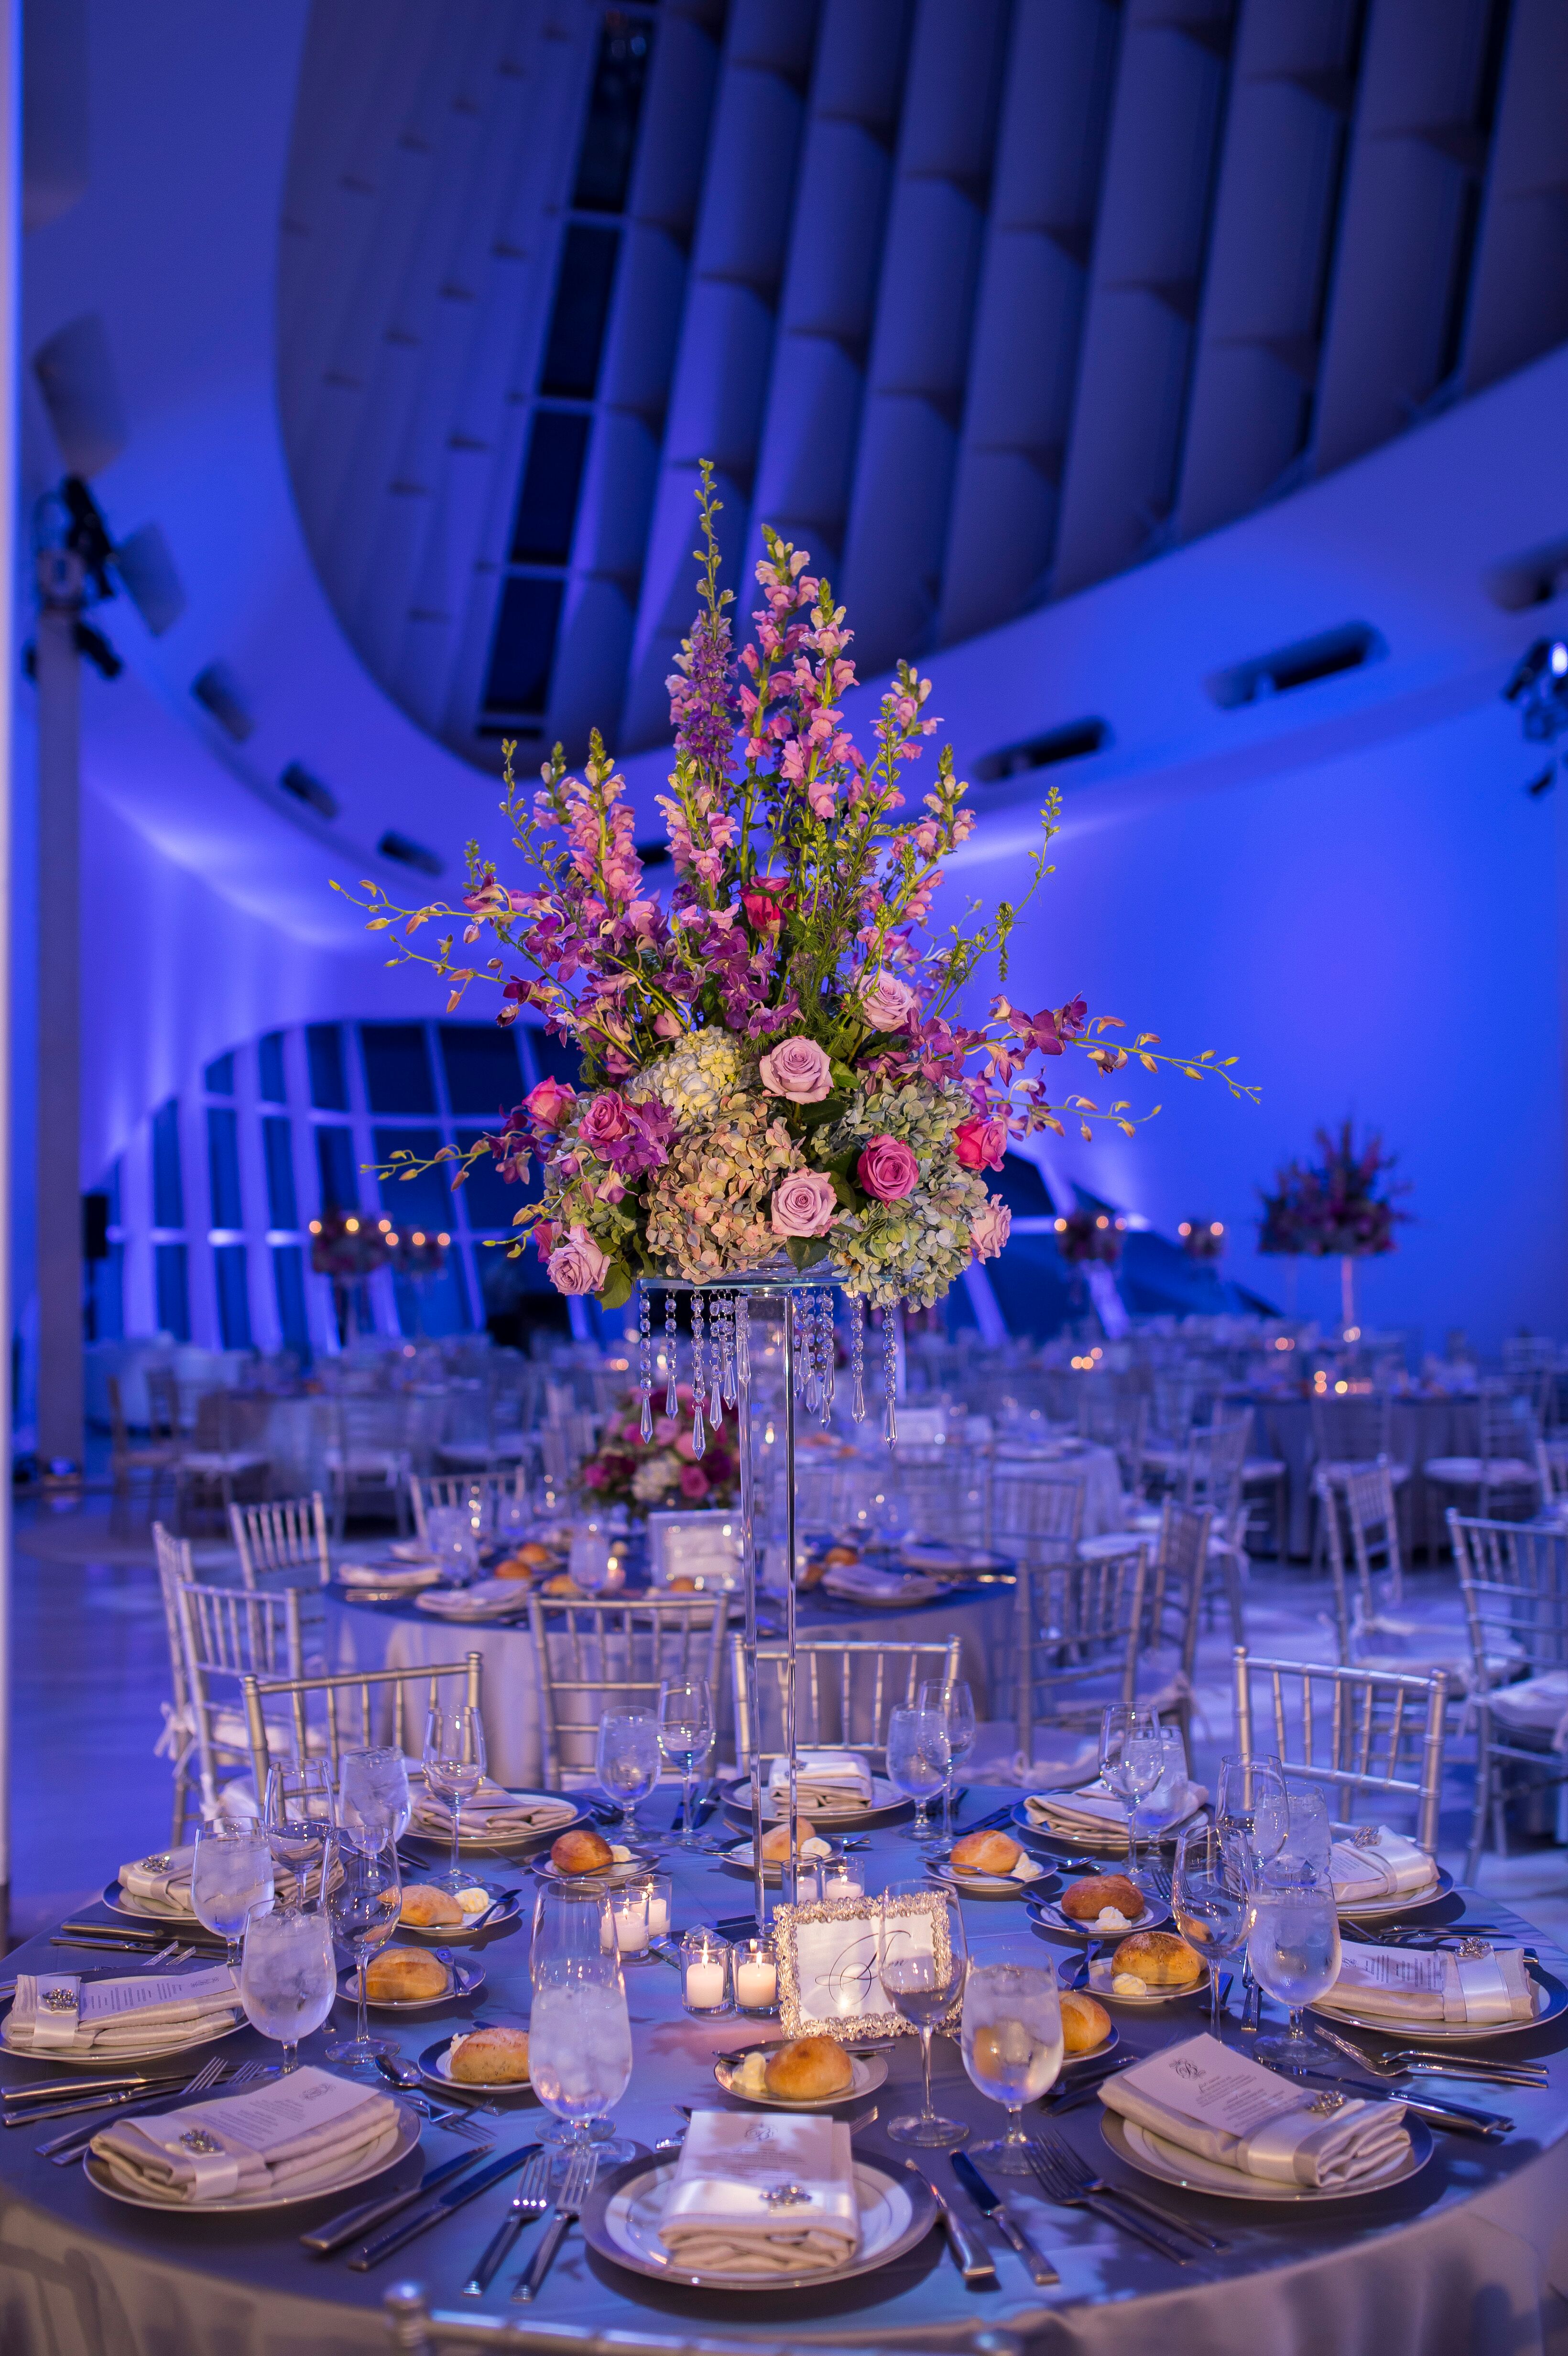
(922, 1957)
(1293, 1950)
(957, 1703)
(453, 1541)
(919, 1762)
(288, 1978)
(686, 1726)
(1012, 2048)
(1253, 1809)
(1130, 1763)
(1210, 1901)
(299, 1816)
(363, 1905)
(373, 1803)
(579, 2037)
(455, 1769)
(230, 1877)
(1306, 1852)
(626, 1761)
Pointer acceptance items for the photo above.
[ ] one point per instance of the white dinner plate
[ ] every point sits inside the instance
(359, 2172)
(100, 2059)
(433, 2068)
(636, 1868)
(1411, 1901)
(462, 1980)
(1047, 1913)
(620, 2220)
(1107, 2044)
(954, 1562)
(869, 2072)
(143, 1909)
(1099, 1985)
(564, 1814)
(1550, 2003)
(989, 1885)
(1111, 1842)
(1152, 2156)
(887, 1802)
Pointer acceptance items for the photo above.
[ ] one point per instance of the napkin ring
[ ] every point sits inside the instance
(1324, 2106)
(1474, 1950)
(157, 1864)
(1366, 1836)
(197, 2140)
(788, 2196)
(58, 2000)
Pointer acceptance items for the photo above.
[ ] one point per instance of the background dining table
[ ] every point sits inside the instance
(1470, 2254)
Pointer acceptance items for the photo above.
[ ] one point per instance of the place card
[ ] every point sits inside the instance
(826, 1957)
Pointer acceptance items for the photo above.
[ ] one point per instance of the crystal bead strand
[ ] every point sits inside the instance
(741, 1309)
(671, 1395)
(731, 1357)
(858, 1359)
(698, 1379)
(890, 1375)
(811, 1351)
(718, 1347)
(828, 1346)
(646, 1386)
(796, 1307)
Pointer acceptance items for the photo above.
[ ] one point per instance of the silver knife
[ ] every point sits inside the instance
(972, 2261)
(1041, 2269)
(1457, 2118)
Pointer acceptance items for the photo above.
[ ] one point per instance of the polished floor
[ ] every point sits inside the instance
(91, 1678)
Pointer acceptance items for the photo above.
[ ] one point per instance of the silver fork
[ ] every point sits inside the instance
(1429, 2065)
(1088, 2180)
(580, 2170)
(528, 2205)
(65, 2149)
(1060, 2188)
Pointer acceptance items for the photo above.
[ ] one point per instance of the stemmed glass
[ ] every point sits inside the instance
(363, 1906)
(922, 1958)
(299, 1817)
(230, 1877)
(1130, 1763)
(686, 1724)
(373, 1802)
(1012, 2048)
(1252, 1809)
(288, 1978)
(453, 1541)
(1210, 1900)
(1293, 1949)
(919, 1762)
(956, 1704)
(626, 1761)
(579, 2037)
(1306, 1851)
(455, 1769)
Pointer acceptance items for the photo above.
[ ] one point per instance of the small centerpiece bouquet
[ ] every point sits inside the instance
(662, 1470)
(1202, 1239)
(347, 1248)
(1090, 1239)
(776, 1061)
(1333, 1209)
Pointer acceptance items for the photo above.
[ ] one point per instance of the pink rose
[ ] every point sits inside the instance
(804, 1204)
(981, 1144)
(664, 1430)
(686, 1448)
(991, 1229)
(549, 1103)
(694, 1482)
(887, 1002)
(798, 1069)
(888, 1169)
(578, 1265)
(604, 1123)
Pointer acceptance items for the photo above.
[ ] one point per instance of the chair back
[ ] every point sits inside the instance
(845, 1691)
(477, 1491)
(119, 1435)
(290, 1534)
(1213, 1458)
(937, 1491)
(1514, 1580)
(1037, 1515)
(1361, 1506)
(1178, 1392)
(1173, 1592)
(1351, 1431)
(593, 1657)
(1509, 1427)
(359, 1708)
(1552, 1471)
(1076, 1633)
(1352, 1728)
(175, 1571)
(231, 1635)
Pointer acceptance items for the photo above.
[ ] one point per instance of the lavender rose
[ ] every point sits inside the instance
(604, 1123)
(886, 1002)
(578, 1265)
(991, 1229)
(797, 1070)
(804, 1204)
(888, 1169)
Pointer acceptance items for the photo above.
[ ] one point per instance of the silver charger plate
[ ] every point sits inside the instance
(462, 1980)
(988, 1885)
(887, 1802)
(467, 1839)
(619, 2222)
(1152, 2156)
(1048, 1914)
(99, 2060)
(870, 2072)
(433, 2068)
(932, 1560)
(1111, 1842)
(1382, 1910)
(738, 1861)
(1550, 2003)
(455, 1935)
(97, 2173)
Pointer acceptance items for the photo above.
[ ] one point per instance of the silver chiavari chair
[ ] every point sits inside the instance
(845, 1690)
(1366, 1734)
(290, 1534)
(1077, 1630)
(1037, 1513)
(1506, 1464)
(359, 1708)
(178, 1742)
(1514, 1580)
(591, 1658)
(1174, 1583)
(481, 1492)
(232, 1636)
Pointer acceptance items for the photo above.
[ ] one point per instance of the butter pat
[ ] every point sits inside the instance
(1111, 1918)
(473, 1901)
(1128, 1984)
(751, 2077)
(622, 1857)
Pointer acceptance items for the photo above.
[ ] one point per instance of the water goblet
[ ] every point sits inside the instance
(686, 1726)
(922, 1956)
(455, 1769)
(1012, 2050)
(373, 1802)
(453, 1541)
(919, 1762)
(626, 1761)
(288, 1979)
(298, 1812)
(579, 2038)
(1306, 1852)
(363, 1904)
(230, 1878)
(957, 1703)
(1253, 1809)
(1292, 1947)
(1130, 1763)
(1210, 1900)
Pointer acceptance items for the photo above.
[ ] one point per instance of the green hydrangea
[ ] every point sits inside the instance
(694, 1077)
(914, 1249)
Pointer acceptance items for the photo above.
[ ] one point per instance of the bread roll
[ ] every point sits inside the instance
(1084, 2022)
(405, 1976)
(776, 1843)
(1159, 1958)
(990, 1852)
(808, 2069)
(1085, 1901)
(428, 1909)
(840, 1557)
(514, 1567)
(581, 1852)
(490, 2057)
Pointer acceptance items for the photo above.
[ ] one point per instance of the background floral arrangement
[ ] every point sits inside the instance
(662, 1470)
(1202, 1239)
(773, 1063)
(347, 1248)
(1089, 1239)
(1332, 1209)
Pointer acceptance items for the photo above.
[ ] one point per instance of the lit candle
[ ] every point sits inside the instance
(632, 1923)
(705, 1986)
(756, 1982)
(658, 1916)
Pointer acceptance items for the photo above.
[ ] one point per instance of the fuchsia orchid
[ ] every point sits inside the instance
(775, 1046)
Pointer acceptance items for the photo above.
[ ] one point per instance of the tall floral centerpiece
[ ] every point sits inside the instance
(346, 1250)
(1339, 1208)
(1202, 1239)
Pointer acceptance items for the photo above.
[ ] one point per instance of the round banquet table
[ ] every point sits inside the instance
(1419, 1429)
(1470, 2254)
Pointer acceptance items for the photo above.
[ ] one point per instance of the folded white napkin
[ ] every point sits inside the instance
(1095, 1815)
(860, 1584)
(303, 2133)
(492, 1809)
(1401, 1985)
(1228, 2109)
(1394, 1868)
(55, 2012)
(401, 1578)
(486, 1599)
(824, 1779)
(162, 1879)
(768, 2193)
